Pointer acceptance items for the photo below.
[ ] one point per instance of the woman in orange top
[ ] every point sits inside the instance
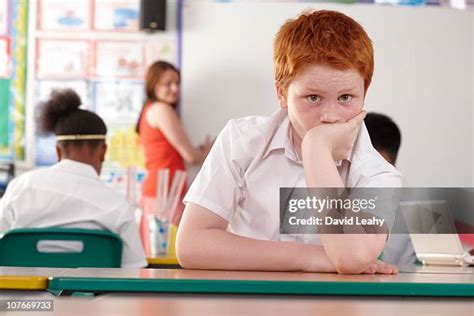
(160, 130)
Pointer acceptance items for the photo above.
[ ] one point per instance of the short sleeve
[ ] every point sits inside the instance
(383, 179)
(218, 186)
(387, 187)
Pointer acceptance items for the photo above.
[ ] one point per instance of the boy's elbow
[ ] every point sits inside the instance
(355, 262)
(185, 253)
(356, 254)
(184, 257)
(350, 265)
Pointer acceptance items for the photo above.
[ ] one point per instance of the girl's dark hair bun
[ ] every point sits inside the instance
(61, 103)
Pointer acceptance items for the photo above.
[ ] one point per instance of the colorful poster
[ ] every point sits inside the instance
(123, 149)
(61, 15)
(122, 15)
(5, 149)
(4, 58)
(19, 47)
(45, 87)
(118, 102)
(160, 50)
(62, 59)
(4, 17)
(119, 59)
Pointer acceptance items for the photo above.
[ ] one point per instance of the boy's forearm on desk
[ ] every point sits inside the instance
(218, 249)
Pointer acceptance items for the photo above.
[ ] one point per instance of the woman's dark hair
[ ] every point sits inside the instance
(61, 115)
(153, 76)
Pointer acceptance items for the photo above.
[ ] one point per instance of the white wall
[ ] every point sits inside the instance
(423, 77)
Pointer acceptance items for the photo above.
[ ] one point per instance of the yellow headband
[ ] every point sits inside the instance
(80, 137)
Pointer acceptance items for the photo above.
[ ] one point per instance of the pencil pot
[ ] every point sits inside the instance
(160, 236)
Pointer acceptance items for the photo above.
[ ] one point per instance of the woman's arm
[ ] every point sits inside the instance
(203, 243)
(164, 117)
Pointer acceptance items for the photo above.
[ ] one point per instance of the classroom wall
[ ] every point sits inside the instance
(423, 77)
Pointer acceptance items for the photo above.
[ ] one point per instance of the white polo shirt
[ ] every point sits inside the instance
(253, 157)
(71, 195)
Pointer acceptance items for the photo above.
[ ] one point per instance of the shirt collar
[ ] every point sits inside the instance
(76, 167)
(282, 140)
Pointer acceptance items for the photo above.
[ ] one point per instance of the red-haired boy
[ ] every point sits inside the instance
(323, 67)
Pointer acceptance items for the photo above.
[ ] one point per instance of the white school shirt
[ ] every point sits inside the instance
(70, 194)
(253, 157)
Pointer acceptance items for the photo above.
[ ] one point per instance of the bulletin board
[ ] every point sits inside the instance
(95, 47)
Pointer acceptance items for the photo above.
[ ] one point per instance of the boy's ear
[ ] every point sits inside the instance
(281, 93)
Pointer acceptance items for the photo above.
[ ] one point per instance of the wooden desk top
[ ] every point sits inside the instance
(184, 274)
(25, 278)
(29, 271)
(169, 260)
(246, 282)
(23, 282)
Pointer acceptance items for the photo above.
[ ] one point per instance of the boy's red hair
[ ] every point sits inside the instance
(322, 37)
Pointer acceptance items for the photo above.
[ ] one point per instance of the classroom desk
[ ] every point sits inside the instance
(262, 305)
(170, 262)
(26, 278)
(245, 282)
(20, 282)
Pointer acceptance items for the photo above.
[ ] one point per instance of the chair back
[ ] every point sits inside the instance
(61, 248)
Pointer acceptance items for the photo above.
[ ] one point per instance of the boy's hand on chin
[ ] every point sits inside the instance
(339, 138)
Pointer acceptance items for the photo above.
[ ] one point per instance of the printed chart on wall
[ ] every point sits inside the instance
(60, 15)
(119, 60)
(4, 6)
(62, 59)
(116, 15)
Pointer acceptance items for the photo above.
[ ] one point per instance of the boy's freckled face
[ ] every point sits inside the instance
(321, 94)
